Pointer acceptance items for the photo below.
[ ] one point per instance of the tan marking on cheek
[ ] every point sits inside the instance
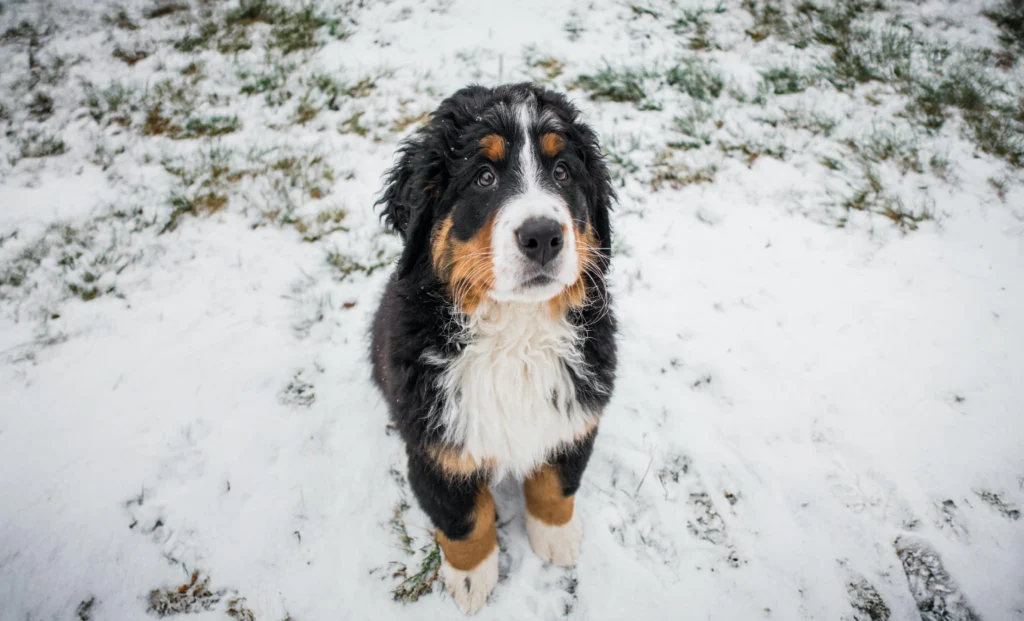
(466, 554)
(440, 248)
(551, 144)
(471, 268)
(575, 295)
(493, 147)
(544, 498)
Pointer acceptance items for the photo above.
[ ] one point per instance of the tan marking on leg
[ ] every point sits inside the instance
(589, 429)
(456, 463)
(551, 144)
(493, 147)
(465, 554)
(544, 498)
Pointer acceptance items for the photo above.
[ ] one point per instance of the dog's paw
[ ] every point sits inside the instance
(557, 544)
(470, 588)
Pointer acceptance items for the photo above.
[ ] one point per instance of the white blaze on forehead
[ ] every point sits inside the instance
(528, 169)
(533, 200)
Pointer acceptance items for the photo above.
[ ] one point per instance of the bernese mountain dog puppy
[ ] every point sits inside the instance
(494, 342)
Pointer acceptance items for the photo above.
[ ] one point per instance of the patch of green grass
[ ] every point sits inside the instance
(130, 57)
(882, 146)
(1008, 15)
(346, 264)
(696, 79)
(163, 8)
(306, 111)
(832, 163)
(868, 56)
(114, 104)
(297, 31)
(667, 172)
(1001, 185)
(997, 135)
(414, 586)
(549, 66)
(72, 252)
(620, 164)
(751, 150)
(405, 122)
(179, 97)
(786, 80)
(333, 89)
(41, 106)
(233, 41)
(120, 19)
(621, 85)
(157, 124)
(693, 23)
(198, 40)
(204, 203)
(640, 11)
(255, 11)
(871, 197)
(816, 122)
(298, 392)
(940, 167)
(352, 125)
(272, 84)
(193, 597)
(994, 125)
(694, 129)
(324, 224)
(37, 144)
(213, 125)
(769, 18)
(574, 27)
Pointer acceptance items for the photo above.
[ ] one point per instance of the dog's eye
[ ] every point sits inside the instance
(485, 178)
(561, 173)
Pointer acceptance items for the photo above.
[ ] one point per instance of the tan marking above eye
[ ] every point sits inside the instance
(493, 147)
(551, 144)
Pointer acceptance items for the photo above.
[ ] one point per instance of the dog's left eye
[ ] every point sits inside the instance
(485, 178)
(561, 173)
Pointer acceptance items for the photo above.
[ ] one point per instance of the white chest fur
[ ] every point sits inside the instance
(510, 396)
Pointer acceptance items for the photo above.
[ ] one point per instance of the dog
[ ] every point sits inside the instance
(494, 341)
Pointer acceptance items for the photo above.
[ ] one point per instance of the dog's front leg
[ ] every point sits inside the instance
(462, 510)
(552, 522)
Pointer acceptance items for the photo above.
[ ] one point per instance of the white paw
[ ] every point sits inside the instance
(557, 544)
(470, 588)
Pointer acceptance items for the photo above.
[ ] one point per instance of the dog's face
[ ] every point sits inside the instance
(503, 195)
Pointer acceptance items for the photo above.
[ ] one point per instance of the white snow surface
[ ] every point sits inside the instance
(792, 396)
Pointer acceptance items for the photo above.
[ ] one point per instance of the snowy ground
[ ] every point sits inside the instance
(819, 273)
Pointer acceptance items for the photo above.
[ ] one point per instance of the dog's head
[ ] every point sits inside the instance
(504, 195)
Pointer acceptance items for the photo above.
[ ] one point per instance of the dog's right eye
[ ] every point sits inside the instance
(485, 178)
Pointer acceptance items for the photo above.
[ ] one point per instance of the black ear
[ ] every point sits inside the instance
(600, 193)
(411, 188)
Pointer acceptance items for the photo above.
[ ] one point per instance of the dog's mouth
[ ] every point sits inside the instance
(538, 280)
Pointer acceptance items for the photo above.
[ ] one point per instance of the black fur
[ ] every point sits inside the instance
(436, 170)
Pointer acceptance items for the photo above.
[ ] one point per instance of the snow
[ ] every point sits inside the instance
(793, 397)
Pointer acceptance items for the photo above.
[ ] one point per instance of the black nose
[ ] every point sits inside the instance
(540, 239)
